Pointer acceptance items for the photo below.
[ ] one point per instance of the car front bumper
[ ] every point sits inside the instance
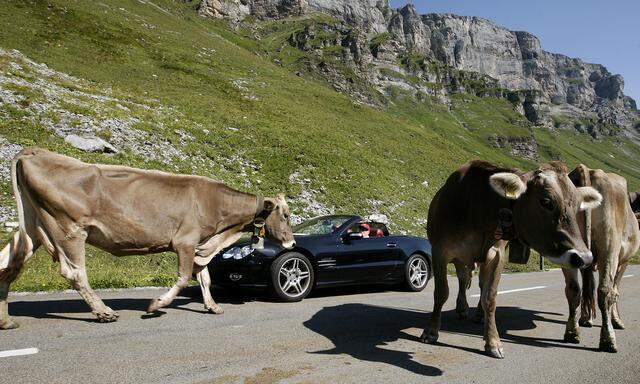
(251, 271)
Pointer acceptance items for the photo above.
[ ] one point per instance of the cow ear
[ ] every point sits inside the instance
(633, 196)
(589, 198)
(508, 185)
(269, 205)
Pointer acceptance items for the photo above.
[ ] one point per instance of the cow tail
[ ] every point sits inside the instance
(20, 244)
(588, 293)
(17, 194)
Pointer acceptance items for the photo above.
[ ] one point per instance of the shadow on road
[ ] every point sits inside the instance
(362, 331)
(58, 309)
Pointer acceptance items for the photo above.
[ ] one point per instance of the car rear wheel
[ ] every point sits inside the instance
(291, 277)
(416, 273)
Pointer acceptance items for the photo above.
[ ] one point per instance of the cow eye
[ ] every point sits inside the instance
(546, 203)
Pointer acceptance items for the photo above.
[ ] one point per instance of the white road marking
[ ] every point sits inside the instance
(517, 290)
(19, 352)
(627, 276)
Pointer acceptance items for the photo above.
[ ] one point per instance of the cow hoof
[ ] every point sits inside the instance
(585, 323)
(107, 317)
(608, 346)
(495, 352)
(429, 337)
(572, 337)
(617, 324)
(10, 324)
(216, 309)
(154, 306)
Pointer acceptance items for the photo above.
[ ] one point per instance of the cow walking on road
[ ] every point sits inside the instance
(64, 203)
(612, 232)
(480, 208)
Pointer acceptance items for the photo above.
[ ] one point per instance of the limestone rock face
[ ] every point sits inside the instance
(449, 47)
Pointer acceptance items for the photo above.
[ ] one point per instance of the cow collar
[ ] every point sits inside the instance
(259, 220)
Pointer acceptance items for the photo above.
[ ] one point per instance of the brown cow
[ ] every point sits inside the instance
(612, 232)
(465, 226)
(64, 203)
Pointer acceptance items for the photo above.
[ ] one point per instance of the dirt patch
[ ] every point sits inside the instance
(441, 357)
(270, 375)
(226, 379)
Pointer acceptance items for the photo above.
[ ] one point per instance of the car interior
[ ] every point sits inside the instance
(375, 229)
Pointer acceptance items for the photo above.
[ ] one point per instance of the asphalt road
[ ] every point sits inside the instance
(336, 336)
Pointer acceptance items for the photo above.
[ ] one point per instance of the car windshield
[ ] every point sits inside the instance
(320, 225)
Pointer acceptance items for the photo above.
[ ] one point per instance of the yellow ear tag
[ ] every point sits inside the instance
(261, 232)
(510, 193)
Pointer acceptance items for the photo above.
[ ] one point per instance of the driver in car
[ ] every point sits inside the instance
(365, 229)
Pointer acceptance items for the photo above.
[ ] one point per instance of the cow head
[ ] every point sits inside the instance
(278, 222)
(545, 212)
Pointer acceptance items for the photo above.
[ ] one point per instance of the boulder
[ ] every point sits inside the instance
(90, 144)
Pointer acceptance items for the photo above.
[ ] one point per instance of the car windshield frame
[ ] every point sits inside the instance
(316, 220)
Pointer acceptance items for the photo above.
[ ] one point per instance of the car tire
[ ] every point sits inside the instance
(292, 277)
(416, 273)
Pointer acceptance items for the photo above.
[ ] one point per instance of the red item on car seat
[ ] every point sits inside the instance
(376, 233)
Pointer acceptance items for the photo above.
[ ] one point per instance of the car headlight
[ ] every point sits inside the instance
(237, 252)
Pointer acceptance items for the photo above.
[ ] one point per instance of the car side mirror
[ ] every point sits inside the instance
(354, 236)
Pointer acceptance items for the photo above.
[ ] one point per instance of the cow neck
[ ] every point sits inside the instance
(243, 212)
(506, 228)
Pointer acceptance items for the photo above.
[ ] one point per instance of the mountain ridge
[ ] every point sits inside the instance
(546, 87)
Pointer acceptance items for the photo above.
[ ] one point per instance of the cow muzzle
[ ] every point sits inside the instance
(574, 259)
(289, 244)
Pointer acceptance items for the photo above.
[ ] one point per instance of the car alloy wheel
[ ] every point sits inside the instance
(292, 277)
(417, 273)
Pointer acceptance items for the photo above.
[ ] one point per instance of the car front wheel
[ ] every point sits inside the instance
(291, 277)
(416, 273)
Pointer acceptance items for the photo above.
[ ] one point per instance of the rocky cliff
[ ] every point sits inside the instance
(440, 54)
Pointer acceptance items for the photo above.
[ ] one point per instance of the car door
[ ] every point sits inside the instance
(368, 259)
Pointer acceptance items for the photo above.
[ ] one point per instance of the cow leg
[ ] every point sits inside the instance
(572, 291)
(492, 269)
(440, 296)
(202, 273)
(464, 280)
(479, 317)
(12, 258)
(615, 313)
(186, 254)
(588, 305)
(72, 266)
(607, 296)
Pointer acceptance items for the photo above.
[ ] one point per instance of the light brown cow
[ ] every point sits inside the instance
(64, 203)
(612, 232)
(466, 225)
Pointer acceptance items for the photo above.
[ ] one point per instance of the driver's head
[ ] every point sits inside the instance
(364, 227)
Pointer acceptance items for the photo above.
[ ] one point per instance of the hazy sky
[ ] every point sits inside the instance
(603, 32)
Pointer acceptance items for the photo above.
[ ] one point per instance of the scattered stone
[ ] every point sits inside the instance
(378, 218)
(7, 152)
(11, 225)
(90, 144)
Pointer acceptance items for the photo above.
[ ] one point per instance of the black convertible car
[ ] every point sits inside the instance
(330, 251)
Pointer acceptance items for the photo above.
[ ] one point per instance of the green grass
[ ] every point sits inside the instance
(167, 56)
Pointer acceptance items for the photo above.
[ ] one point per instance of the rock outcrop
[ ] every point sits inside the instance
(449, 53)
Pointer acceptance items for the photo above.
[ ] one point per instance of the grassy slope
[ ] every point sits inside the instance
(154, 50)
